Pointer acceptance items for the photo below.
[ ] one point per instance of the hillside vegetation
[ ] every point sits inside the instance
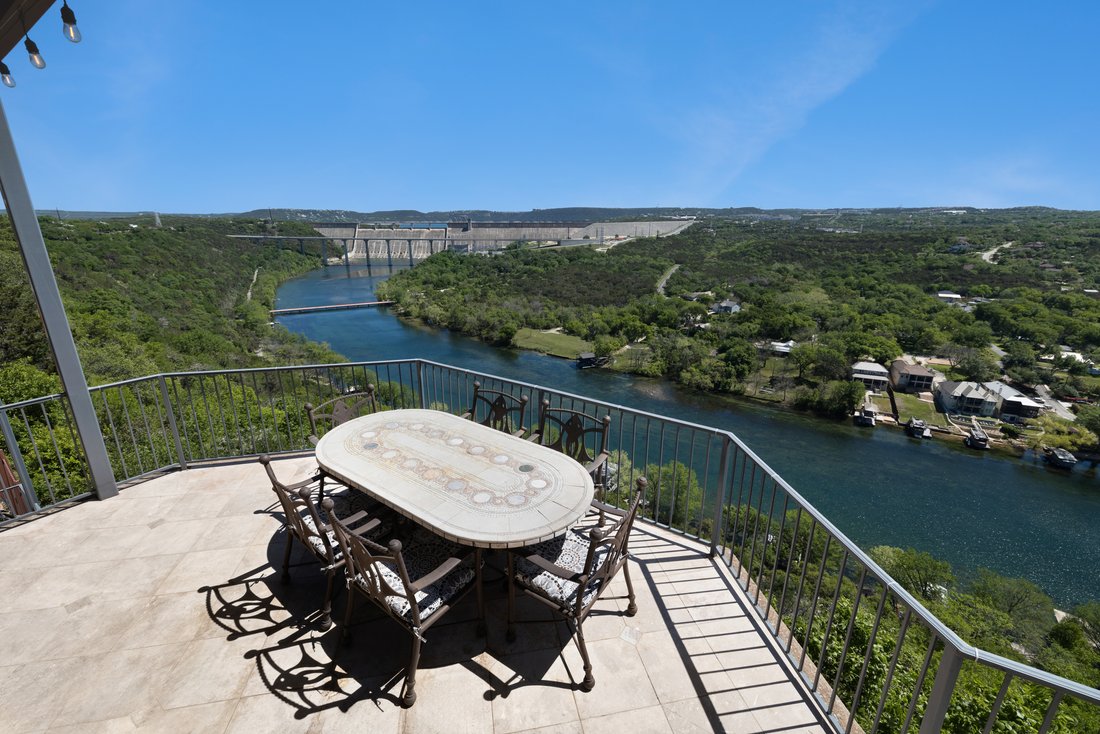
(142, 299)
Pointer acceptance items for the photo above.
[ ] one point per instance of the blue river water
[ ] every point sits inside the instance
(1017, 517)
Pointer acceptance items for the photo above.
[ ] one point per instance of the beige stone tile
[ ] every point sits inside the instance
(648, 720)
(376, 717)
(211, 717)
(235, 531)
(32, 693)
(265, 713)
(531, 691)
(573, 727)
(675, 677)
(209, 670)
(140, 510)
(166, 619)
(123, 682)
(621, 679)
(196, 505)
(795, 717)
(197, 569)
(110, 726)
(448, 701)
(689, 716)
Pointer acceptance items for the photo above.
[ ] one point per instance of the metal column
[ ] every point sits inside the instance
(37, 261)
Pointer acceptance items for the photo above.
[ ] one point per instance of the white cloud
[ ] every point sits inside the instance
(723, 139)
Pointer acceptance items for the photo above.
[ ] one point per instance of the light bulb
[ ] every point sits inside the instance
(68, 21)
(36, 58)
(5, 75)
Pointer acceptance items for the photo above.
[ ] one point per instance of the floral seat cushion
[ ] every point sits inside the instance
(570, 552)
(345, 503)
(423, 553)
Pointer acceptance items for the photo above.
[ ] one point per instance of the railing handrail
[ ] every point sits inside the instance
(944, 633)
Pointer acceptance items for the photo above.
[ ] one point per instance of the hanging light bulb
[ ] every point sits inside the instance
(68, 21)
(32, 51)
(5, 75)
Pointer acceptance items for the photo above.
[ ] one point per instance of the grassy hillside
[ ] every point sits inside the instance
(142, 299)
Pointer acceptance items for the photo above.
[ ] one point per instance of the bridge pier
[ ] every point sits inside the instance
(347, 253)
(389, 254)
(302, 246)
(410, 253)
(324, 253)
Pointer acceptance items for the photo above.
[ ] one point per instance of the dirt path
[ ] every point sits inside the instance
(988, 254)
(248, 296)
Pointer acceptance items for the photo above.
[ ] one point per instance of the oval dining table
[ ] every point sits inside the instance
(469, 483)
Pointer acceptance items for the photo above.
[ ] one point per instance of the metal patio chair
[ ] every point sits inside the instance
(415, 582)
(570, 573)
(580, 436)
(332, 413)
(302, 522)
(498, 410)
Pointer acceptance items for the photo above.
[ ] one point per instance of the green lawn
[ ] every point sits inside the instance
(909, 406)
(558, 345)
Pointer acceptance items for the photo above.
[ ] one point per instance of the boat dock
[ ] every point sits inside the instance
(332, 307)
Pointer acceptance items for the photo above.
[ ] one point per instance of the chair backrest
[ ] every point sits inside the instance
(615, 538)
(373, 568)
(302, 518)
(578, 435)
(497, 409)
(332, 413)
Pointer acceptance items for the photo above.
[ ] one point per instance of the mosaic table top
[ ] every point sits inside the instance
(467, 482)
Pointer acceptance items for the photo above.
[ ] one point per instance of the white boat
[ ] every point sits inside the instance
(866, 416)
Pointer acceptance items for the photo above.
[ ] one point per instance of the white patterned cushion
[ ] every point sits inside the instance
(423, 553)
(345, 502)
(570, 552)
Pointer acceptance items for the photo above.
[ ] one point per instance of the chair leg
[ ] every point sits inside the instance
(631, 608)
(589, 682)
(345, 628)
(286, 553)
(326, 608)
(410, 678)
(511, 634)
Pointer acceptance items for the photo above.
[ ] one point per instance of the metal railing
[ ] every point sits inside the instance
(874, 657)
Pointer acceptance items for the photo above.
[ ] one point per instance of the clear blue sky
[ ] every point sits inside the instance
(230, 105)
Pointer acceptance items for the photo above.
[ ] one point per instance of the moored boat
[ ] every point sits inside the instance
(866, 416)
(917, 428)
(976, 438)
(1059, 457)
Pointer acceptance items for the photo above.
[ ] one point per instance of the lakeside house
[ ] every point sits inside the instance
(967, 398)
(948, 296)
(1012, 405)
(910, 377)
(873, 375)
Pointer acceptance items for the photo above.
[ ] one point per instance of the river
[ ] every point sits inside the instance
(1015, 516)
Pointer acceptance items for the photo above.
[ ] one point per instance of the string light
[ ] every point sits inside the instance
(5, 75)
(68, 21)
(32, 51)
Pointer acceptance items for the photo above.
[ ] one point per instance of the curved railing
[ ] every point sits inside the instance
(873, 656)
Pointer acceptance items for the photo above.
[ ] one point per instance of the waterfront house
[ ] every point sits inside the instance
(873, 375)
(967, 398)
(949, 297)
(911, 377)
(782, 349)
(726, 306)
(1012, 405)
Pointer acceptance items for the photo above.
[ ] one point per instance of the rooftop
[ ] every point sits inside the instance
(159, 610)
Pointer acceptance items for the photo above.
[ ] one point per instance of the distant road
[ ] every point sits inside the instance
(664, 279)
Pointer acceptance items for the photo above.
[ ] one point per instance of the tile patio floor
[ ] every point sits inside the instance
(158, 611)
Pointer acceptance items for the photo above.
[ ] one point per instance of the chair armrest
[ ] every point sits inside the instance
(370, 524)
(440, 571)
(467, 415)
(304, 482)
(519, 433)
(536, 560)
(608, 509)
(596, 463)
(313, 440)
(535, 437)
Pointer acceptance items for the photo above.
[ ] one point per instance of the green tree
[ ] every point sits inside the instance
(917, 571)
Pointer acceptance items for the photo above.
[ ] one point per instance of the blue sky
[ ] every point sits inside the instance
(215, 106)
